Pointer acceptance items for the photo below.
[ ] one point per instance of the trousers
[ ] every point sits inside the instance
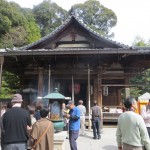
(130, 147)
(73, 135)
(96, 127)
(16, 146)
(82, 124)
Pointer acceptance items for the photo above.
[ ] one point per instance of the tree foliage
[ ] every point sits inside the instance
(139, 41)
(10, 84)
(142, 78)
(96, 16)
(49, 16)
(17, 25)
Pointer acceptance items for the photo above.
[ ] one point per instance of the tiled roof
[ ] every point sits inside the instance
(76, 51)
(96, 34)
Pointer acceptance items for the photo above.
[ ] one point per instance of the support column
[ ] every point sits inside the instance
(89, 101)
(127, 90)
(40, 83)
(1, 68)
(119, 97)
(49, 79)
(95, 91)
(99, 93)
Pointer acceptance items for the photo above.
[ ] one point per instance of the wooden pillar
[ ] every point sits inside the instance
(1, 68)
(95, 91)
(99, 87)
(40, 83)
(119, 97)
(127, 89)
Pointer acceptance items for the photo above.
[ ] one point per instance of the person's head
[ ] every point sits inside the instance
(95, 103)
(38, 105)
(134, 103)
(44, 112)
(17, 98)
(63, 105)
(80, 102)
(128, 104)
(31, 109)
(70, 105)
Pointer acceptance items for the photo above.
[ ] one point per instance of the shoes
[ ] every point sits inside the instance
(99, 137)
(94, 138)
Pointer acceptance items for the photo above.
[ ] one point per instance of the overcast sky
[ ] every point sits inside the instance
(133, 16)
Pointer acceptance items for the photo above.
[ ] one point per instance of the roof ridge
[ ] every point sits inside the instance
(80, 21)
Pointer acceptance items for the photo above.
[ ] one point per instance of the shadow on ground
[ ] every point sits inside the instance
(110, 147)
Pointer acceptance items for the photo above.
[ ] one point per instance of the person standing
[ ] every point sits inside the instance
(9, 106)
(38, 107)
(145, 113)
(96, 117)
(82, 116)
(131, 131)
(15, 122)
(74, 124)
(42, 132)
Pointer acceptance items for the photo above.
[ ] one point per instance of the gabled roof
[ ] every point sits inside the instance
(101, 41)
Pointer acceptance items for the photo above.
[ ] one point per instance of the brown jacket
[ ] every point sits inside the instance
(47, 141)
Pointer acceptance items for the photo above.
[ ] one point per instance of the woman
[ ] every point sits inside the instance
(42, 132)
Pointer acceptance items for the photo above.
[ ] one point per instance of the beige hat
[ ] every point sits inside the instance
(17, 98)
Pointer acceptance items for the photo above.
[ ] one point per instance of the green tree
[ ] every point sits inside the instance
(144, 77)
(17, 25)
(10, 84)
(96, 16)
(139, 41)
(49, 16)
(31, 27)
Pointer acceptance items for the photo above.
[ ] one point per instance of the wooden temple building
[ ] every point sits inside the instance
(78, 61)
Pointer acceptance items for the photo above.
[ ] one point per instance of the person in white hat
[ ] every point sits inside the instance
(15, 122)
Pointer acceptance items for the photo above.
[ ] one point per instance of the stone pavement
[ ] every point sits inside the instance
(107, 141)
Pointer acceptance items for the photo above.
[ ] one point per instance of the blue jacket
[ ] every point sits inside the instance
(74, 122)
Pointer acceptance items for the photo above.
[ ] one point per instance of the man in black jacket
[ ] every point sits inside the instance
(96, 117)
(15, 122)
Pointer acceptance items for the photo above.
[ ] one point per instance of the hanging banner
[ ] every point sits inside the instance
(1, 68)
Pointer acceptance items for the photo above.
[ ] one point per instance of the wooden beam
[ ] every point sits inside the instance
(123, 85)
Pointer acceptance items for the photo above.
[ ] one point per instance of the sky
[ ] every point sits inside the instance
(133, 16)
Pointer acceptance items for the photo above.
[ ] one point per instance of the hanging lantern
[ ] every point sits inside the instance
(105, 90)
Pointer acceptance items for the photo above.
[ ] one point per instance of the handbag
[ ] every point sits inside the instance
(40, 138)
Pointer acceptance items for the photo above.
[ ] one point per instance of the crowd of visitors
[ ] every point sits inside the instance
(31, 128)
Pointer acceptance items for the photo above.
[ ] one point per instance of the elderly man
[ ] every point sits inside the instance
(82, 116)
(96, 117)
(15, 122)
(145, 113)
(131, 131)
(74, 124)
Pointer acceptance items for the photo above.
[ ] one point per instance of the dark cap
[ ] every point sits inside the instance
(17, 98)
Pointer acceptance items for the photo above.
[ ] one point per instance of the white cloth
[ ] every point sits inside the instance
(131, 130)
(82, 110)
(17, 105)
(146, 115)
(82, 118)
(82, 125)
